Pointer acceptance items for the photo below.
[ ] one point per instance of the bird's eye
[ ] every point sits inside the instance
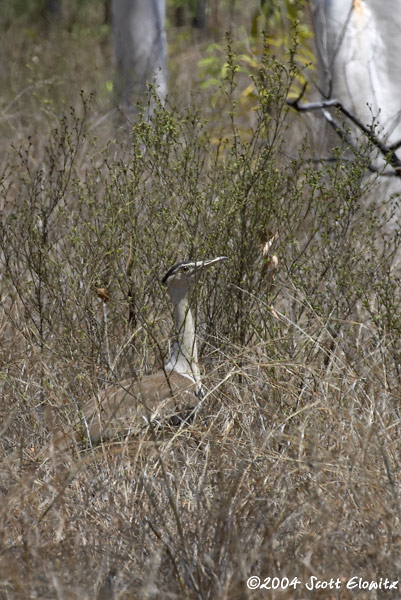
(185, 269)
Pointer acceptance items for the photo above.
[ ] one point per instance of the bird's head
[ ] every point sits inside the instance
(185, 274)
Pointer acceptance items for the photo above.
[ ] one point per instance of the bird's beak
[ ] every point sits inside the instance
(205, 264)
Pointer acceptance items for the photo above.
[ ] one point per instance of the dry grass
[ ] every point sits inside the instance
(289, 471)
(291, 468)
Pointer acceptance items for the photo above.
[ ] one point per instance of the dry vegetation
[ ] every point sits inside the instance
(291, 468)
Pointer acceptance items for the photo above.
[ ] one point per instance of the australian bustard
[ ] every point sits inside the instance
(168, 396)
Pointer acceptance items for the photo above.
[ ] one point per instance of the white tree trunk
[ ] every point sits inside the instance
(140, 49)
(358, 45)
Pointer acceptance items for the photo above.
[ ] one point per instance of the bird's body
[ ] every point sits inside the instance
(129, 407)
(168, 397)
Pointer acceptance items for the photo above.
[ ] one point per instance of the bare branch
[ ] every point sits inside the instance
(388, 151)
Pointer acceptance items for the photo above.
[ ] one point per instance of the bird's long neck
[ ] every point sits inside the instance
(184, 353)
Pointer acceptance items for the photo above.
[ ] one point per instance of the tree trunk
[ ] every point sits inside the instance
(53, 9)
(358, 47)
(140, 49)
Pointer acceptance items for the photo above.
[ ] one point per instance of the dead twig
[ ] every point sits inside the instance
(387, 151)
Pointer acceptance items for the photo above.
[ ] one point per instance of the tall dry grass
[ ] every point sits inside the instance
(291, 469)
